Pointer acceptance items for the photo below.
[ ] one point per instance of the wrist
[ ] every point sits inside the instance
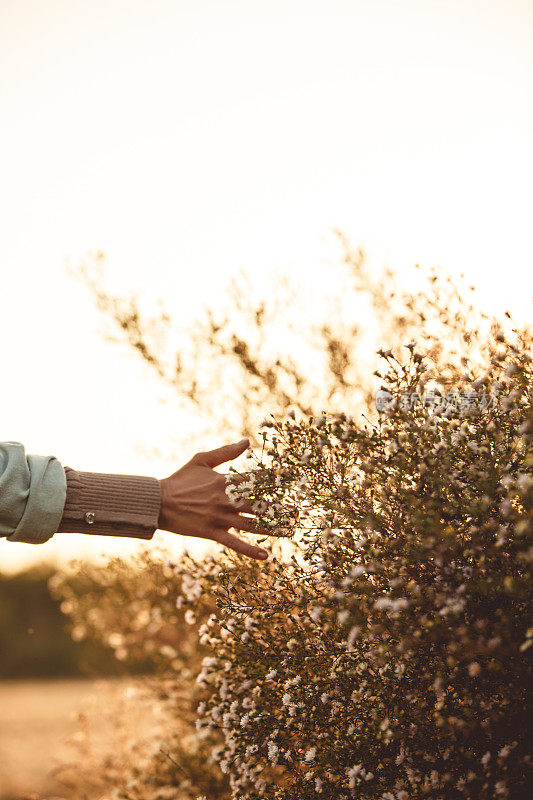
(162, 518)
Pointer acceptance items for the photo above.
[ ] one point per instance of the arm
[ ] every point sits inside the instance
(32, 494)
(39, 497)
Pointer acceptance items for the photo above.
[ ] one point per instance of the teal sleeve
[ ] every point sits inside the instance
(32, 494)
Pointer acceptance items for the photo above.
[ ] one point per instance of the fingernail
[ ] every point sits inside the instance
(262, 554)
(243, 441)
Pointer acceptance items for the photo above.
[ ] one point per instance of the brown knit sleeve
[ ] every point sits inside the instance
(111, 505)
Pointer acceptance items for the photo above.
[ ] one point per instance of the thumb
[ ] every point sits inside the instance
(212, 458)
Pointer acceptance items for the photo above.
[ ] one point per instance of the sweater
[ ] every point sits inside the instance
(39, 497)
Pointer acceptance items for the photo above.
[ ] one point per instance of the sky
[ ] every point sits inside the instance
(188, 140)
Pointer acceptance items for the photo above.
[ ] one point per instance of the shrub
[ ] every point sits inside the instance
(383, 651)
(389, 656)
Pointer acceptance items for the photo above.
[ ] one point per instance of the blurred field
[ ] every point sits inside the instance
(36, 719)
(45, 683)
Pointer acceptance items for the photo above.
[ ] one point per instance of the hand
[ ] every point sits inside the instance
(194, 502)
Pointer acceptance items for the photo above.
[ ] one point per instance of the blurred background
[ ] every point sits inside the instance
(187, 140)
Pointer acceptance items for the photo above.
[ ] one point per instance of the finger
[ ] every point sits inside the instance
(212, 458)
(243, 505)
(243, 524)
(233, 542)
(238, 477)
(229, 503)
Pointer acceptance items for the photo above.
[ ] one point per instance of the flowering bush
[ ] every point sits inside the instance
(383, 650)
(388, 657)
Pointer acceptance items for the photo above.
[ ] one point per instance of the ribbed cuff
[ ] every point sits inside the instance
(111, 505)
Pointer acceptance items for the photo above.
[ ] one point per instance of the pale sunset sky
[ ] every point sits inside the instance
(188, 139)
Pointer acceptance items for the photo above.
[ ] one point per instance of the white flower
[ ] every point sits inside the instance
(272, 674)
(474, 669)
(292, 682)
(393, 605)
(227, 720)
(191, 588)
(315, 613)
(311, 753)
(301, 486)
(190, 618)
(506, 507)
(352, 636)
(524, 481)
(352, 774)
(273, 751)
(485, 759)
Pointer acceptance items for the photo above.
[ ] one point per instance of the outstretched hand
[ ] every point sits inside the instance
(194, 502)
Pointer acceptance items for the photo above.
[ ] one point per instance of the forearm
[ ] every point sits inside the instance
(111, 505)
(39, 497)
